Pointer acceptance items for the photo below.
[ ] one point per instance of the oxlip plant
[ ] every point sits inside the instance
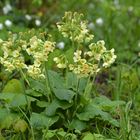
(57, 102)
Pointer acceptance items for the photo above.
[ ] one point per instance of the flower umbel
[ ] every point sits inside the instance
(15, 48)
(74, 28)
(61, 61)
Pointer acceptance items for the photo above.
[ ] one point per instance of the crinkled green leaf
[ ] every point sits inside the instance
(6, 118)
(34, 93)
(106, 104)
(50, 62)
(39, 86)
(42, 121)
(16, 100)
(55, 80)
(91, 111)
(21, 100)
(64, 94)
(77, 125)
(72, 82)
(42, 103)
(88, 136)
(51, 109)
(13, 86)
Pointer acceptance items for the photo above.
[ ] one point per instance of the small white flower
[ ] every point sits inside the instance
(8, 23)
(99, 21)
(102, 1)
(116, 2)
(91, 6)
(130, 8)
(139, 54)
(138, 21)
(7, 8)
(1, 26)
(91, 25)
(139, 43)
(28, 17)
(61, 45)
(37, 22)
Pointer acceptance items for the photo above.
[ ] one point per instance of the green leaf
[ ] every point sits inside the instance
(69, 54)
(91, 111)
(99, 137)
(39, 86)
(82, 85)
(106, 104)
(51, 109)
(16, 100)
(8, 97)
(42, 103)
(88, 89)
(42, 121)
(77, 125)
(64, 94)
(34, 93)
(50, 62)
(13, 86)
(55, 80)
(88, 136)
(21, 100)
(6, 118)
(71, 80)
(49, 134)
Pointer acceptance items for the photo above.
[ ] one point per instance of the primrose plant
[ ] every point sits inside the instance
(60, 103)
(85, 63)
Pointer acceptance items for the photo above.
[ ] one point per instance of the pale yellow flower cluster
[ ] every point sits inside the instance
(14, 50)
(74, 28)
(90, 62)
(98, 51)
(109, 57)
(39, 50)
(61, 61)
(12, 58)
(81, 66)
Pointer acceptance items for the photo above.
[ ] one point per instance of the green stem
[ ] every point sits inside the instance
(32, 131)
(23, 86)
(49, 94)
(24, 77)
(76, 97)
(28, 104)
(86, 89)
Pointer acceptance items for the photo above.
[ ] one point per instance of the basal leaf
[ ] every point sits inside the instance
(42, 121)
(106, 104)
(13, 86)
(37, 85)
(16, 100)
(51, 109)
(91, 111)
(77, 125)
(55, 80)
(64, 94)
(6, 118)
(34, 93)
(88, 136)
(71, 80)
(21, 100)
(50, 62)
